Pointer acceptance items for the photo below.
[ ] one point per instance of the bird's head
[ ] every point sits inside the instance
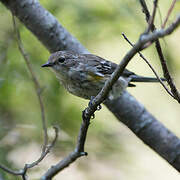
(61, 62)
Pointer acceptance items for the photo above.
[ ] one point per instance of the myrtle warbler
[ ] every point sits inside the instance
(84, 75)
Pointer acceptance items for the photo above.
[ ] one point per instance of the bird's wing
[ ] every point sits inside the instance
(103, 66)
(98, 68)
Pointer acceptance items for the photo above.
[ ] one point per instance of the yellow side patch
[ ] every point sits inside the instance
(94, 77)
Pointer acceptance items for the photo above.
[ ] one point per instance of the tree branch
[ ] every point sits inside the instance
(43, 25)
(37, 86)
(128, 110)
(147, 128)
(168, 14)
(151, 19)
(166, 73)
(46, 149)
(147, 62)
(95, 102)
(144, 38)
(22, 172)
(78, 152)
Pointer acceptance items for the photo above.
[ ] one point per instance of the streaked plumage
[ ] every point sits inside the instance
(85, 74)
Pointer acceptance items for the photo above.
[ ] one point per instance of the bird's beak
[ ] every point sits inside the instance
(48, 64)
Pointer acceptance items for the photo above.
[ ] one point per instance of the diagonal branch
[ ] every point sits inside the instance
(176, 94)
(93, 106)
(126, 108)
(168, 14)
(136, 48)
(22, 172)
(153, 70)
(151, 19)
(73, 156)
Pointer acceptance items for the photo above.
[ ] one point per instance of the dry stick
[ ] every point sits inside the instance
(73, 156)
(145, 10)
(168, 14)
(22, 172)
(89, 111)
(176, 94)
(137, 47)
(35, 81)
(151, 20)
(147, 62)
(46, 148)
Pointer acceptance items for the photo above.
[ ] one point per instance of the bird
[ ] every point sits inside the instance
(84, 75)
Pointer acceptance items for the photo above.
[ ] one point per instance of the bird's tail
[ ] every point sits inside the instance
(135, 78)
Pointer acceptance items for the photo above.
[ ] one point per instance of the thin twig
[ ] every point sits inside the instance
(145, 10)
(151, 20)
(46, 149)
(10, 171)
(73, 156)
(130, 108)
(93, 106)
(168, 14)
(35, 81)
(147, 62)
(22, 172)
(166, 73)
(137, 47)
(151, 23)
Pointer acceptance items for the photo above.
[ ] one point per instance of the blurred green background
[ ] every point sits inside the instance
(114, 151)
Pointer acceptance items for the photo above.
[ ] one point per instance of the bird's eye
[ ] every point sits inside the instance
(61, 59)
